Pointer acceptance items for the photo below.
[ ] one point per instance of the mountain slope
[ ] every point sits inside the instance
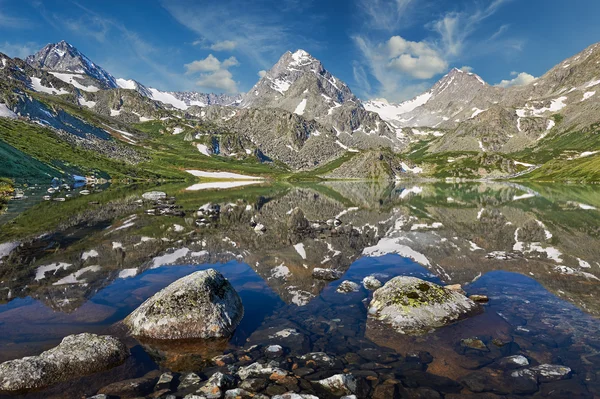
(63, 57)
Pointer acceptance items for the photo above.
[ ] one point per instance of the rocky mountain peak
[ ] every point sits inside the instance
(63, 57)
(293, 77)
(458, 79)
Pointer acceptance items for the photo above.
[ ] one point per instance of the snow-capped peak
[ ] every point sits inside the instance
(300, 58)
(63, 57)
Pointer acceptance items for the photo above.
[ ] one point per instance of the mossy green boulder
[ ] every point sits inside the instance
(414, 306)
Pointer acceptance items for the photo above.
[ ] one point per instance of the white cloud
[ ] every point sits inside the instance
(466, 68)
(396, 63)
(218, 80)
(225, 45)
(214, 74)
(210, 64)
(417, 59)
(520, 79)
(401, 65)
(19, 50)
(261, 73)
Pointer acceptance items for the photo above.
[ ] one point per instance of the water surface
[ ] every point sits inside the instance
(84, 264)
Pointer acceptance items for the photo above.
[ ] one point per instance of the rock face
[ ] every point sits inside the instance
(75, 356)
(201, 305)
(414, 306)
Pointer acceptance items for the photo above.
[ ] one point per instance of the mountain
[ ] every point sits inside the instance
(63, 57)
(299, 83)
(463, 113)
(180, 99)
(454, 98)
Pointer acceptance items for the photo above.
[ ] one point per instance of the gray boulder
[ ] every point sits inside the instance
(414, 306)
(76, 356)
(200, 305)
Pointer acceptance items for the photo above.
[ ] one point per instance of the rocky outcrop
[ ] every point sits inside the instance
(201, 305)
(414, 306)
(75, 356)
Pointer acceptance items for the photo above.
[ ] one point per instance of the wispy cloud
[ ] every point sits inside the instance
(385, 15)
(20, 50)
(9, 21)
(259, 32)
(455, 28)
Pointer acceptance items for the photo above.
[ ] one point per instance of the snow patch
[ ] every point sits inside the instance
(300, 249)
(300, 108)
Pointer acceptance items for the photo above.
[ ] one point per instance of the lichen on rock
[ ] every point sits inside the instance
(75, 356)
(414, 306)
(201, 305)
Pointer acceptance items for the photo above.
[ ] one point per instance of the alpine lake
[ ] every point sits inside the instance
(84, 264)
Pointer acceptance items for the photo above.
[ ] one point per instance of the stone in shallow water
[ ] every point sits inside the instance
(479, 298)
(339, 384)
(201, 305)
(371, 283)
(77, 355)
(347, 287)
(513, 362)
(474, 343)
(133, 387)
(414, 306)
(551, 372)
(216, 385)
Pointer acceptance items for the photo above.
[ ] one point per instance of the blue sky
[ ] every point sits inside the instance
(381, 48)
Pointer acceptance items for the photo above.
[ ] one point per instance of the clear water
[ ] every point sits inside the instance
(534, 251)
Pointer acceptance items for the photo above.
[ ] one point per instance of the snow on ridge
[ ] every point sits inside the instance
(300, 108)
(476, 111)
(69, 78)
(126, 84)
(391, 112)
(167, 98)
(36, 84)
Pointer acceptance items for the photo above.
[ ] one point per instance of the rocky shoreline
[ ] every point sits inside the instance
(280, 361)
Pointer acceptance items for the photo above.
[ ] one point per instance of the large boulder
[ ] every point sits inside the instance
(200, 305)
(75, 356)
(414, 306)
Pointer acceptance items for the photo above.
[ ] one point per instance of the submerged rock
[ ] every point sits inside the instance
(76, 356)
(339, 384)
(200, 305)
(414, 306)
(479, 298)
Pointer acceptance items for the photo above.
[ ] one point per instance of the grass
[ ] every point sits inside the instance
(313, 175)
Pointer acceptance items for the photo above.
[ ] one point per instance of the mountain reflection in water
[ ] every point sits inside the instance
(533, 250)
